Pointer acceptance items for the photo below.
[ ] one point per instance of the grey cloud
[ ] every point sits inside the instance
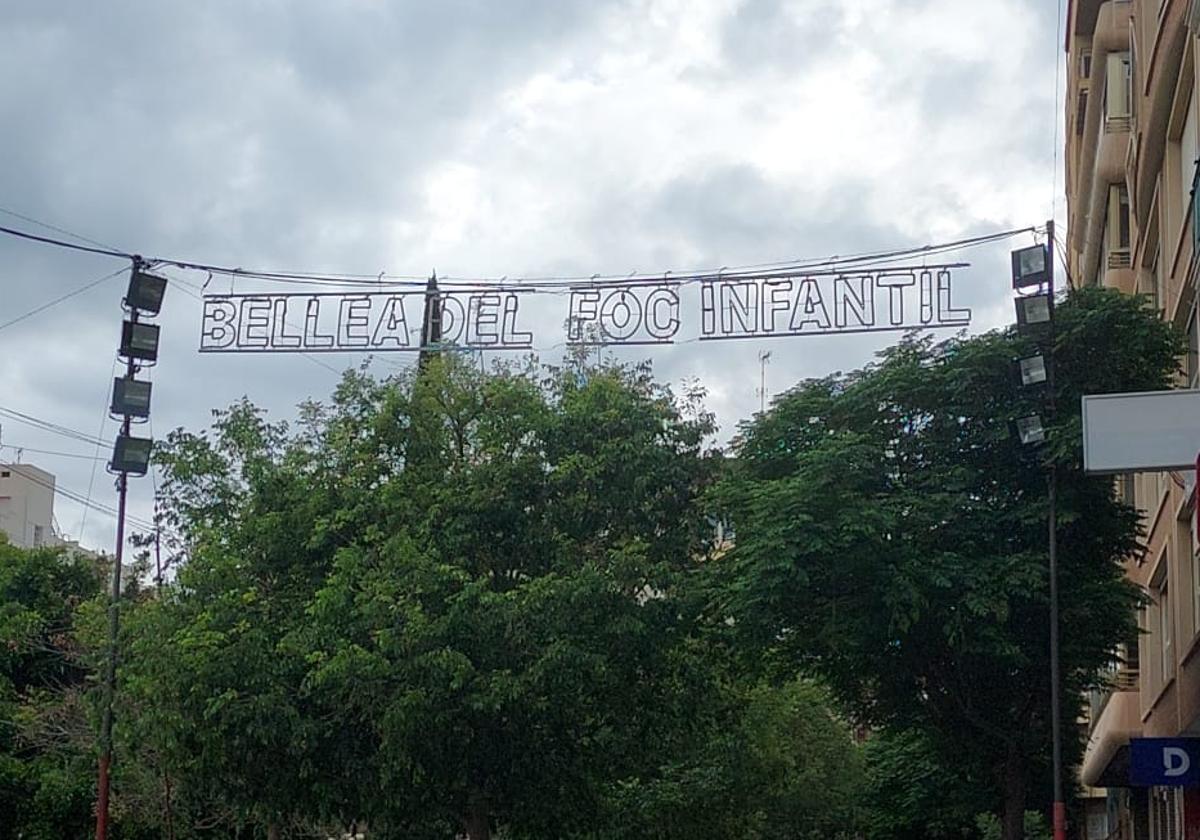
(774, 35)
(295, 134)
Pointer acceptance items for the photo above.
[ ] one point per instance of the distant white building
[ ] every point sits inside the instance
(27, 505)
(27, 509)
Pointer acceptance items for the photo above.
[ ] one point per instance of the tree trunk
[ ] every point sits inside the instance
(273, 832)
(1012, 821)
(476, 826)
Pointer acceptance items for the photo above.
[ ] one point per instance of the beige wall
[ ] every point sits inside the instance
(26, 505)
(1146, 159)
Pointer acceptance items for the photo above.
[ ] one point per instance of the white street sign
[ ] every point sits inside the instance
(1151, 431)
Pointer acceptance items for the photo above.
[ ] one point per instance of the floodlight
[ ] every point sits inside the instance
(1032, 369)
(1033, 310)
(1030, 429)
(131, 455)
(139, 341)
(145, 292)
(1030, 267)
(131, 397)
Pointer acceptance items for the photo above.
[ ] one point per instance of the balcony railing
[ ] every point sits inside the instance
(1123, 677)
(1117, 125)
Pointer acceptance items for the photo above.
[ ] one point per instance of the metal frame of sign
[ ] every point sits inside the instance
(629, 313)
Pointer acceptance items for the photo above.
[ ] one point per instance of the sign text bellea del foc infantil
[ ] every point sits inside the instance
(642, 312)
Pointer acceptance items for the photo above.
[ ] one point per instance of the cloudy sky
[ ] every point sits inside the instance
(487, 138)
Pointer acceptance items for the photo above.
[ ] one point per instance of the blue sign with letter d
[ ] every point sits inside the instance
(1164, 762)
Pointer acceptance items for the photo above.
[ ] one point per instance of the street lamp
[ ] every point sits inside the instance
(1032, 370)
(131, 455)
(1033, 268)
(1033, 310)
(131, 397)
(145, 292)
(139, 341)
(1030, 430)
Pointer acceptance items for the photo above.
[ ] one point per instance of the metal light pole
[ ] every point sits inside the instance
(110, 676)
(114, 622)
(1060, 805)
(131, 398)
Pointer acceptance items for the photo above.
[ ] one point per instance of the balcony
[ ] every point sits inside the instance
(1103, 139)
(1112, 26)
(1113, 150)
(1115, 718)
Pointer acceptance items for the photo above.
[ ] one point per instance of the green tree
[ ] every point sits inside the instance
(47, 765)
(780, 765)
(912, 793)
(443, 602)
(891, 536)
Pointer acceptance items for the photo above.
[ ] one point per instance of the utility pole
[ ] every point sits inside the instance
(1060, 805)
(431, 323)
(131, 398)
(114, 626)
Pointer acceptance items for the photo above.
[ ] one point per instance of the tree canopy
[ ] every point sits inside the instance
(455, 601)
(892, 536)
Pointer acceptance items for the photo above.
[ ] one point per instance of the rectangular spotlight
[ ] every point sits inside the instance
(1033, 369)
(139, 341)
(132, 455)
(1030, 267)
(1033, 310)
(131, 397)
(146, 292)
(1030, 430)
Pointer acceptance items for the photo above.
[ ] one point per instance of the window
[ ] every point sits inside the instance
(1128, 495)
(1081, 112)
(1192, 364)
(39, 536)
(1118, 91)
(1188, 156)
(1159, 292)
(1164, 813)
(1085, 64)
(1122, 217)
(1166, 631)
(1116, 231)
(5, 474)
(1185, 548)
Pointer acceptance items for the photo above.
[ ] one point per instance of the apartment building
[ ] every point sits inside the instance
(1131, 166)
(27, 505)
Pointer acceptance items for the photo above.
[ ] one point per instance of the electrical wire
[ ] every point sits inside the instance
(53, 452)
(58, 300)
(781, 268)
(54, 228)
(100, 443)
(46, 240)
(47, 426)
(76, 497)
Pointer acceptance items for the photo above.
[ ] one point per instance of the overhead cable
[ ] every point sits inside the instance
(382, 280)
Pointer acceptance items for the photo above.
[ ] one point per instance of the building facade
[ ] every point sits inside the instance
(1131, 165)
(27, 505)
